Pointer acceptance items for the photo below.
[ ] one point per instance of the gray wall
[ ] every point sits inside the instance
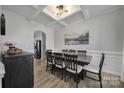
(105, 33)
(122, 66)
(21, 31)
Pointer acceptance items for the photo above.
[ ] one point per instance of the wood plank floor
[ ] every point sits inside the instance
(43, 79)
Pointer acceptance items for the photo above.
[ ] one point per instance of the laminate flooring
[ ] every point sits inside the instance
(43, 79)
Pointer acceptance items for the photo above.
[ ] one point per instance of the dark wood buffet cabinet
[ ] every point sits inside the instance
(19, 72)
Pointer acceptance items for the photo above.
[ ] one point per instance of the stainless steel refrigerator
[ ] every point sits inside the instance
(39, 44)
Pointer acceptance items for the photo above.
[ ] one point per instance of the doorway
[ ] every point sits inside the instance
(39, 44)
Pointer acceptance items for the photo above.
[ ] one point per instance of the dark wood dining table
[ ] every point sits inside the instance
(82, 59)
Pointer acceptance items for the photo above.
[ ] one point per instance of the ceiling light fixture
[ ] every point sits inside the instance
(61, 10)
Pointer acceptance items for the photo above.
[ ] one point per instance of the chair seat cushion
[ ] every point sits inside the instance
(59, 66)
(79, 69)
(91, 68)
(51, 63)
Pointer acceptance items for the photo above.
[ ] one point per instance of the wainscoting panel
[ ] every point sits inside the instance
(112, 63)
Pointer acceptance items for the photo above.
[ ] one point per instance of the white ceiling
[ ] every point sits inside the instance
(33, 12)
(52, 11)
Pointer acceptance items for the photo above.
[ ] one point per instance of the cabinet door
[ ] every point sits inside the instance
(19, 72)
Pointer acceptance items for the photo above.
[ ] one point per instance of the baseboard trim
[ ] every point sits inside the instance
(111, 72)
(122, 80)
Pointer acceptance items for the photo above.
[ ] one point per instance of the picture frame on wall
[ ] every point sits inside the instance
(77, 38)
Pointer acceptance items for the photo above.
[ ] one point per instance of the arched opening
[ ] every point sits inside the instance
(39, 44)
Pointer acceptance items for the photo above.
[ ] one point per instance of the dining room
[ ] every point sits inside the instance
(95, 43)
(65, 46)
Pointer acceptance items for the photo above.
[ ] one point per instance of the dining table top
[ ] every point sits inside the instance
(82, 59)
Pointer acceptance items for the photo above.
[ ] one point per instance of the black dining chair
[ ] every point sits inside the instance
(59, 63)
(95, 70)
(82, 52)
(72, 51)
(64, 50)
(50, 61)
(50, 50)
(72, 67)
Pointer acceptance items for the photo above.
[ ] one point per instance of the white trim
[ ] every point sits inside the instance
(113, 60)
(106, 52)
(111, 71)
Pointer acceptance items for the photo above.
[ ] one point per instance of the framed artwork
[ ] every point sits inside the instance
(77, 38)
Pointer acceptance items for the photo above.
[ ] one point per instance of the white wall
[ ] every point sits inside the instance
(0, 10)
(106, 35)
(0, 31)
(21, 31)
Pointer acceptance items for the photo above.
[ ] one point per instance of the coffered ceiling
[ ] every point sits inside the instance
(45, 14)
(52, 10)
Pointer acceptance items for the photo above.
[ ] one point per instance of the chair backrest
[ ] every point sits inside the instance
(64, 50)
(49, 50)
(49, 57)
(71, 61)
(58, 59)
(101, 62)
(72, 51)
(82, 52)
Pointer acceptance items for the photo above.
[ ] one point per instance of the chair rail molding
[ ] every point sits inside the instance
(112, 62)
